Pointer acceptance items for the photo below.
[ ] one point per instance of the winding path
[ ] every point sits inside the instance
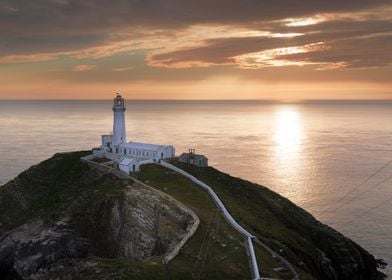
(249, 237)
(190, 231)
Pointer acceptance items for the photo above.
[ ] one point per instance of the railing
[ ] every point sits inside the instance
(190, 231)
(283, 260)
(249, 237)
(226, 214)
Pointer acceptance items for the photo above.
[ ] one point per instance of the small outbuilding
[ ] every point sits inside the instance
(192, 158)
(129, 165)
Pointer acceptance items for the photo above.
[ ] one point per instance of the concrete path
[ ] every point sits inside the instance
(249, 244)
(249, 237)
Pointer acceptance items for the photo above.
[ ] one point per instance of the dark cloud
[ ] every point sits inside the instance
(75, 16)
(218, 51)
(352, 44)
(59, 26)
(19, 45)
(369, 52)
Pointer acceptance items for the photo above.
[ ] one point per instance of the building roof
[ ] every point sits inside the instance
(186, 155)
(126, 161)
(142, 146)
(129, 160)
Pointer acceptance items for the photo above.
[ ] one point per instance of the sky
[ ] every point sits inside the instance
(196, 49)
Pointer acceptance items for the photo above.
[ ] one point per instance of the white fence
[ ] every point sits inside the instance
(190, 231)
(226, 214)
(249, 237)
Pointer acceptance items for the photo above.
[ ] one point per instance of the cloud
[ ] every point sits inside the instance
(9, 59)
(186, 34)
(350, 53)
(84, 67)
(51, 16)
(122, 69)
(359, 43)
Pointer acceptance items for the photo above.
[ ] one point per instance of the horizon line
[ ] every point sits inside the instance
(185, 99)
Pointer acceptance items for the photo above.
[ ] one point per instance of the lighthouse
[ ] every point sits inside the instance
(119, 136)
(129, 156)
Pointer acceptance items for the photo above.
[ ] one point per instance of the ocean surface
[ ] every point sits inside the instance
(329, 157)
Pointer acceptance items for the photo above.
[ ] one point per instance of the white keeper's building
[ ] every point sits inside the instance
(130, 156)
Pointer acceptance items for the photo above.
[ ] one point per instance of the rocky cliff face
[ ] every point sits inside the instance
(121, 220)
(33, 247)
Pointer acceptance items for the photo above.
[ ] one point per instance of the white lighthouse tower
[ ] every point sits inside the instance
(129, 156)
(119, 136)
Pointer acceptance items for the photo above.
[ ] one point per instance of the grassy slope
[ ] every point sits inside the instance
(280, 223)
(232, 258)
(64, 186)
(53, 188)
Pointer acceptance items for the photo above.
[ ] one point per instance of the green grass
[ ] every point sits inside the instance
(232, 257)
(225, 257)
(60, 185)
(101, 160)
(280, 223)
(64, 186)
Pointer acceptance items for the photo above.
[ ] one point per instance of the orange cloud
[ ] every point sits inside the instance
(27, 58)
(84, 67)
(272, 57)
(122, 69)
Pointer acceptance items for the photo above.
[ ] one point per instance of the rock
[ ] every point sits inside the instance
(128, 221)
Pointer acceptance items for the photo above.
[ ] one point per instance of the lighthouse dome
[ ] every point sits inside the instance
(118, 102)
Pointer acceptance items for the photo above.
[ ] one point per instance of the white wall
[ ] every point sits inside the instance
(162, 152)
(119, 135)
(106, 139)
(124, 168)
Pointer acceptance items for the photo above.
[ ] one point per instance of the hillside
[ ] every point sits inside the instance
(61, 219)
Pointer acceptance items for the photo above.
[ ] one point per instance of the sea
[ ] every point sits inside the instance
(333, 158)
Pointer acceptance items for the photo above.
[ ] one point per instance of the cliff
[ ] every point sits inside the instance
(62, 219)
(61, 210)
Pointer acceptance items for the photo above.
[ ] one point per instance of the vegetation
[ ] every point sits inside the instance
(54, 188)
(64, 186)
(287, 228)
(226, 257)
